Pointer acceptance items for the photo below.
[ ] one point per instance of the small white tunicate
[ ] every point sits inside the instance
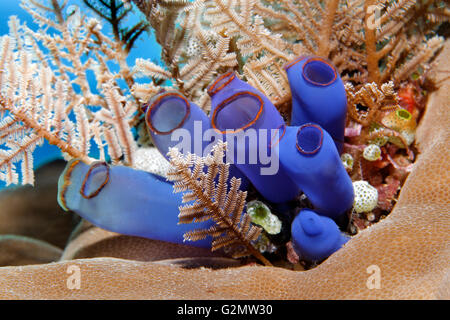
(347, 161)
(366, 197)
(372, 152)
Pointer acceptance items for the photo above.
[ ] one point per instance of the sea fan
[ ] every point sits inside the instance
(206, 191)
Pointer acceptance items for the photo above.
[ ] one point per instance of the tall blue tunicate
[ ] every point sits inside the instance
(174, 121)
(318, 96)
(251, 125)
(315, 237)
(169, 111)
(309, 156)
(125, 200)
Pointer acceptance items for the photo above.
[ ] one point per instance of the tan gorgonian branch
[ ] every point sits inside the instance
(119, 119)
(396, 33)
(32, 134)
(210, 200)
(366, 41)
(193, 56)
(32, 108)
(46, 94)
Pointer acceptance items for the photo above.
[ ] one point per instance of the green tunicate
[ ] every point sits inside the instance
(261, 215)
(403, 114)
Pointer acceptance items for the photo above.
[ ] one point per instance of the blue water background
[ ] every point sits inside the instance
(146, 47)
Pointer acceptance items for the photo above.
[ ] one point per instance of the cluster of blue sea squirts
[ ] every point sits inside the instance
(134, 202)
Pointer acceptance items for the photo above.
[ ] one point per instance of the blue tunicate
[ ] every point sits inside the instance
(125, 200)
(309, 156)
(251, 125)
(318, 96)
(174, 121)
(315, 237)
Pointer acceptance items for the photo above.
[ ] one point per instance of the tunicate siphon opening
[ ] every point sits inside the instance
(95, 180)
(319, 72)
(309, 138)
(168, 112)
(237, 113)
(311, 224)
(221, 82)
(403, 114)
